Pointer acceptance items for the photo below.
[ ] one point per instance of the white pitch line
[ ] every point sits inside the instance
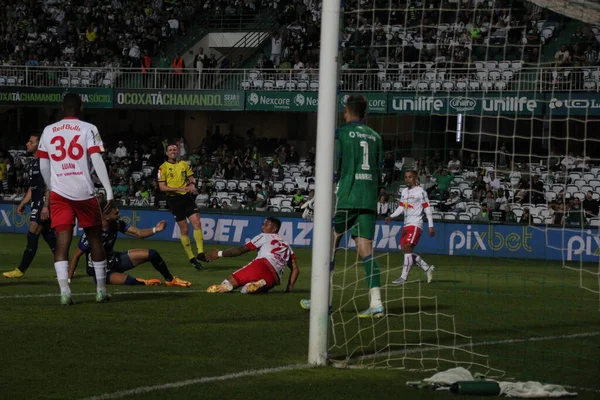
(296, 367)
(75, 295)
(198, 381)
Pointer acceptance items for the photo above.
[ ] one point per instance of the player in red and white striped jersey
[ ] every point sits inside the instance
(66, 150)
(413, 202)
(266, 270)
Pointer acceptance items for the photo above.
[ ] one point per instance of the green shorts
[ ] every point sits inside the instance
(360, 222)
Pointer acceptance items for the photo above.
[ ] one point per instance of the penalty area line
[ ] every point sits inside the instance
(297, 367)
(75, 295)
(198, 381)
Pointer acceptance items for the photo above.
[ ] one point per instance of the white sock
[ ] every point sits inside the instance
(375, 295)
(420, 262)
(100, 271)
(62, 273)
(408, 260)
(228, 285)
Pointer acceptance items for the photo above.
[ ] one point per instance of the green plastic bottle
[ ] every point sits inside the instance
(479, 388)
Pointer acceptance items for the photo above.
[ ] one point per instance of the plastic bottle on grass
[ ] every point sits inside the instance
(479, 388)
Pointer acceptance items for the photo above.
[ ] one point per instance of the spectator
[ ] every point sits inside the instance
(591, 56)
(428, 185)
(421, 170)
(276, 47)
(293, 157)
(443, 179)
(503, 156)
(454, 164)
(472, 163)
(483, 215)
(214, 203)
(260, 204)
(526, 218)
(509, 216)
(298, 199)
(489, 200)
(136, 163)
(392, 203)
(493, 183)
(590, 206)
(562, 57)
(537, 190)
(202, 198)
(383, 207)
(479, 188)
(501, 200)
(575, 214)
(200, 60)
(450, 204)
(121, 151)
(235, 204)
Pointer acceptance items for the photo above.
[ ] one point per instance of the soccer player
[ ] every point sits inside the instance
(359, 159)
(266, 270)
(413, 202)
(66, 150)
(39, 221)
(120, 262)
(176, 180)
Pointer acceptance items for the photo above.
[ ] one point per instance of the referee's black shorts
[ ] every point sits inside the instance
(181, 206)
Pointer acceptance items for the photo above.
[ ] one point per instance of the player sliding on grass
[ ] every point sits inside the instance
(39, 221)
(413, 202)
(359, 158)
(266, 270)
(120, 262)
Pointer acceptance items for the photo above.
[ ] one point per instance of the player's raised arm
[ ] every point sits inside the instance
(145, 233)
(231, 252)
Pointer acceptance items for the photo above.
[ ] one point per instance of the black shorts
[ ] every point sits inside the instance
(181, 206)
(36, 211)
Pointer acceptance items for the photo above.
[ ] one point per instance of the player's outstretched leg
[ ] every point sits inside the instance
(28, 256)
(139, 256)
(426, 267)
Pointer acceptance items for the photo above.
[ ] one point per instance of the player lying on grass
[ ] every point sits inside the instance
(266, 270)
(120, 262)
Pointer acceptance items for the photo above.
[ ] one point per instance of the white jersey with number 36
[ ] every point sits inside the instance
(68, 145)
(274, 249)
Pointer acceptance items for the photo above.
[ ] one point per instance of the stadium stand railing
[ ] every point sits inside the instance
(477, 77)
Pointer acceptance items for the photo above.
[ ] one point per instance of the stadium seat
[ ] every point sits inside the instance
(464, 217)
(286, 209)
(302, 85)
(289, 187)
(232, 185)
(220, 184)
(258, 84)
(437, 216)
(314, 85)
(280, 84)
(449, 217)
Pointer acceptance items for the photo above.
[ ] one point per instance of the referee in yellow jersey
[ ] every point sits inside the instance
(176, 181)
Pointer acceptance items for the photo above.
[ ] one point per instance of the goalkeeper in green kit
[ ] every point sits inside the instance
(359, 156)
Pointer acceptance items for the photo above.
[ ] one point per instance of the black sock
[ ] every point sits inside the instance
(30, 250)
(159, 264)
(50, 238)
(131, 281)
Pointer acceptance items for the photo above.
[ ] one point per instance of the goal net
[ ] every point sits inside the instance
(495, 105)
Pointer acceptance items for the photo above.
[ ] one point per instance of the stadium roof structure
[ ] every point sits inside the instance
(583, 10)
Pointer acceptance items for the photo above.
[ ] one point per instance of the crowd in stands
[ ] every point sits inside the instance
(231, 173)
(234, 174)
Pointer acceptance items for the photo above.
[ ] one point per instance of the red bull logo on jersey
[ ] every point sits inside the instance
(407, 205)
(68, 127)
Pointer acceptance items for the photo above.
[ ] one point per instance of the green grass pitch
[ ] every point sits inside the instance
(211, 346)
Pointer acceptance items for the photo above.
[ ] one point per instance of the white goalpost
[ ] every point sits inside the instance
(326, 121)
